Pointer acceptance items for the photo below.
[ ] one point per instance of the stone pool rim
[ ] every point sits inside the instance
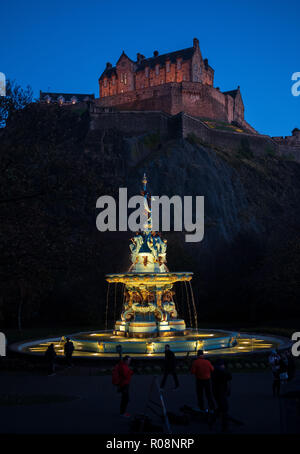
(284, 344)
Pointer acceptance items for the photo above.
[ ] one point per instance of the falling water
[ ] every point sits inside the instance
(122, 299)
(107, 295)
(188, 303)
(178, 303)
(115, 302)
(183, 308)
(123, 295)
(194, 306)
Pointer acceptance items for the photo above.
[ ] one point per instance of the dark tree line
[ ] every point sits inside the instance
(16, 98)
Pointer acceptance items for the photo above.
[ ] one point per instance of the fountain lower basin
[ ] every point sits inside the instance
(189, 342)
(103, 344)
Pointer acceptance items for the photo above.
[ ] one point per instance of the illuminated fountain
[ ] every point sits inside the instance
(149, 309)
(149, 317)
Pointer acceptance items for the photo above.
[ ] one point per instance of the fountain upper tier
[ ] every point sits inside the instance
(149, 279)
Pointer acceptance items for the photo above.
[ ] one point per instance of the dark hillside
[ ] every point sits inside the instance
(53, 259)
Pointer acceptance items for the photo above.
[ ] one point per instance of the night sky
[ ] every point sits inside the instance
(64, 46)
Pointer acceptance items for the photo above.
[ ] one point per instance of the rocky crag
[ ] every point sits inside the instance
(53, 259)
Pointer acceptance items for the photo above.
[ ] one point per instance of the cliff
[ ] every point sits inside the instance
(53, 260)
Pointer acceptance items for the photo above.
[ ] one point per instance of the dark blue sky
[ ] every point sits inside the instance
(64, 46)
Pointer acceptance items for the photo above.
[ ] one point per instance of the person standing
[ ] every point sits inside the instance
(274, 361)
(50, 356)
(283, 369)
(169, 367)
(68, 349)
(291, 365)
(221, 379)
(202, 369)
(124, 375)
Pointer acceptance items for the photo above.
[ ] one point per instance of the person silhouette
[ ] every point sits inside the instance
(169, 367)
(68, 350)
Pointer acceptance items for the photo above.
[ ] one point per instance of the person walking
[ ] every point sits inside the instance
(169, 367)
(122, 375)
(202, 369)
(50, 356)
(221, 379)
(68, 349)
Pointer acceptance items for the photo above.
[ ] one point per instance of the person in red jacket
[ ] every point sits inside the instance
(202, 369)
(125, 374)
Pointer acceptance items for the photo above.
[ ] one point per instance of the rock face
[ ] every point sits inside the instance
(251, 220)
(246, 269)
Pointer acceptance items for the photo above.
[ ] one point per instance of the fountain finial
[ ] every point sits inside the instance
(144, 181)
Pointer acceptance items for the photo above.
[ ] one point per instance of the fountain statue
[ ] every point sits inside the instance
(149, 309)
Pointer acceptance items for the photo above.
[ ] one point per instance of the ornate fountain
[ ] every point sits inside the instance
(149, 316)
(149, 309)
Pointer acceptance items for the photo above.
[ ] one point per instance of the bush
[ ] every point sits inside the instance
(152, 140)
(270, 152)
(244, 150)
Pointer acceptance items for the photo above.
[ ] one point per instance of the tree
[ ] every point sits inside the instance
(16, 98)
(47, 198)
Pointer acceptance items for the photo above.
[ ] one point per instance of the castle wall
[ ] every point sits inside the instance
(204, 101)
(181, 126)
(225, 139)
(130, 97)
(131, 123)
(192, 97)
(238, 109)
(290, 151)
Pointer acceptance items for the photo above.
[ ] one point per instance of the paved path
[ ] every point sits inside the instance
(96, 410)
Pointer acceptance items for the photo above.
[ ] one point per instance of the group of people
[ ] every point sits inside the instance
(51, 356)
(283, 369)
(213, 381)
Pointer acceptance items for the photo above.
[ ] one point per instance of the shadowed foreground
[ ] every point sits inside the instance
(90, 404)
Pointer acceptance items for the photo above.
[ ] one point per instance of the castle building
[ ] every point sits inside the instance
(173, 94)
(182, 65)
(64, 98)
(180, 81)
